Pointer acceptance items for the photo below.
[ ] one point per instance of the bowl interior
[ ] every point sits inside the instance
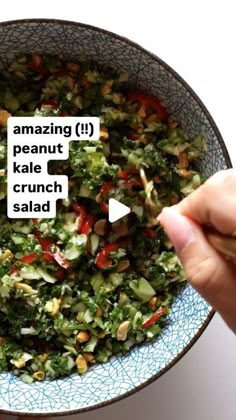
(190, 313)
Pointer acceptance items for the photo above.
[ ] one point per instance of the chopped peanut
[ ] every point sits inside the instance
(78, 319)
(43, 357)
(99, 313)
(71, 183)
(153, 303)
(82, 365)
(122, 266)
(120, 229)
(83, 336)
(56, 307)
(176, 151)
(98, 198)
(143, 139)
(85, 82)
(73, 67)
(142, 111)
(101, 334)
(174, 199)
(106, 88)
(100, 227)
(168, 244)
(4, 115)
(2, 172)
(39, 376)
(157, 179)
(25, 287)
(183, 160)
(7, 254)
(122, 331)
(20, 363)
(104, 135)
(185, 173)
(172, 123)
(89, 357)
(151, 118)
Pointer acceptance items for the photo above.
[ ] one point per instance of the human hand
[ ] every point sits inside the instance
(209, 272)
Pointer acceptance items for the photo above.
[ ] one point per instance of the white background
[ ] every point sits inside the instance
(197, 38)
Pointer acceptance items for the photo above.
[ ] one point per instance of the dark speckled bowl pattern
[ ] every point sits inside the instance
(121, 376)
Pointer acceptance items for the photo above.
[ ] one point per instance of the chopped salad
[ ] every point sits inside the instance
(76, 289)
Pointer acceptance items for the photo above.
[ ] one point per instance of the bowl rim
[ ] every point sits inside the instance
(229, 165)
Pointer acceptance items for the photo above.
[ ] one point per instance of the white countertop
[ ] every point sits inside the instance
(198, 40)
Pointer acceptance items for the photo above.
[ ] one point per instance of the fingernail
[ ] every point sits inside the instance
(179, 228)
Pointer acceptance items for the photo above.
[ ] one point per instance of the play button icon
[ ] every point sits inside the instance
(116, 210)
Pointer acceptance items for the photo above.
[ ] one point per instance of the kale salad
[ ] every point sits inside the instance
(76, 289)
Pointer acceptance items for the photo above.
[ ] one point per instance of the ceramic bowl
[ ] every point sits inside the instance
(121, 376)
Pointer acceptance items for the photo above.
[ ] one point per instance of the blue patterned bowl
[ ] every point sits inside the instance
(121, 376)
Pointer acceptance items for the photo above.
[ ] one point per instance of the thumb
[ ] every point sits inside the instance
(209, 273)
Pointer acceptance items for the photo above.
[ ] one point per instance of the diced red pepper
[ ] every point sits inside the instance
(61, 73)
(53, 104)
(61, 274)
(131, 169)
(103, 260)
(49, 255)
(147, 100)
(29, 259)
(36, 60)
(122, 175)
(134, 136)
(81, 211)
(104, 207)
(105, 188)
(149, 233)
(45, 243)
(60, 259)
(104, 191)
(35, 64)
(157, 315)
(86, 228)
(14, 271)
(133, 183)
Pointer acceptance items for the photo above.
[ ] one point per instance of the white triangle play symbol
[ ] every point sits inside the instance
(117, 210)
